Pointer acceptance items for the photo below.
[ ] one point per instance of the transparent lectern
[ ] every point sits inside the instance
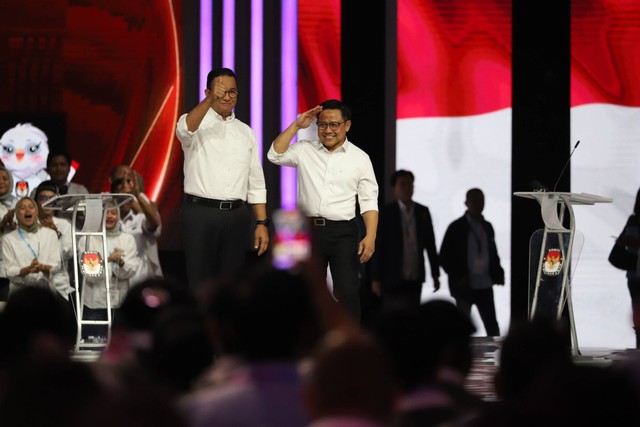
(92, 207)
(553, 255)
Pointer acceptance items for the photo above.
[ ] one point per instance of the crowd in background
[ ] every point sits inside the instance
(269, 347)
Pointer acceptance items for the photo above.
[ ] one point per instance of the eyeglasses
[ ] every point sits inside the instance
(332, 125)
(232, 93)
(43, 198)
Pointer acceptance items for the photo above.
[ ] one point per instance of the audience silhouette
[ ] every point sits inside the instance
(271, 347)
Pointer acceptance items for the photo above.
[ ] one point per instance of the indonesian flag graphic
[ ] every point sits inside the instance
(605, 117)
(454, 106)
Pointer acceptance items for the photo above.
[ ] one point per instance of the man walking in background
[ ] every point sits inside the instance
(470, 257)
(404, 234)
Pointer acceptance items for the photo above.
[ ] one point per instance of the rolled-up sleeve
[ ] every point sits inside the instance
(367, 186)
(257, 188)
(184, 135)
(288, 158)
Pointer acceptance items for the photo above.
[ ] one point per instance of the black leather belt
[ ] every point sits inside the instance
(223, 205)
(318, 221)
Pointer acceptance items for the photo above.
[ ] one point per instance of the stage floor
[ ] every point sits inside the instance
(486, 353)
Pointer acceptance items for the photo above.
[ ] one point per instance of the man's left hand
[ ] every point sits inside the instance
(261, 239)
(366, 248)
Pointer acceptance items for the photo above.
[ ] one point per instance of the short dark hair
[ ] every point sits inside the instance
(474, 190)
(334, 104)
(217, 72)
(47, 185)
(399, 174)
(58, 153)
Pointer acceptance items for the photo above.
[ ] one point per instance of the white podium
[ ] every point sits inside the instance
(93, 207)
(553, 253)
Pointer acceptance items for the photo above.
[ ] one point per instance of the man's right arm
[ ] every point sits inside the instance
(281, 143)
(195, 116)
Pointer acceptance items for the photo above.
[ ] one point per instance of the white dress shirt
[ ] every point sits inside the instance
(75, 188)
(328, 182)
(221, 160)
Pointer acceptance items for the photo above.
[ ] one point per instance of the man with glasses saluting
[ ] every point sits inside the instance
(333, 175)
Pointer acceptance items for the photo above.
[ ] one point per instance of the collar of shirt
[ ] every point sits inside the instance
(343, 148)
(404, 208)
(472, 220)
(128, 217)
(220, 118)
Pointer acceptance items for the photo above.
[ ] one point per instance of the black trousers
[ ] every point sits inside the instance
(634, 291)
(483, 299)
(337, 246)
(409, 291)
(215, 242)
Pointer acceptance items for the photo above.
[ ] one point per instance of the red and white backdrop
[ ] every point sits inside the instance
(454, 132)
(454, 114)
(605, 117)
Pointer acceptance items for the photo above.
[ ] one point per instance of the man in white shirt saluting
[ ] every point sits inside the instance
(333, 175)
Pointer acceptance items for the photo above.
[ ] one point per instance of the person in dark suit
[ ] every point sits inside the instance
(405, 231)
(470, 258)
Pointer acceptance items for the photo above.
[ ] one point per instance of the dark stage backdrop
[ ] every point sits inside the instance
(102, 78)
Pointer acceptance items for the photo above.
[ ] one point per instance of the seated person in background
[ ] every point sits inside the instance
(141, 219)
(61, 278)
(121, 265)
(30, 253)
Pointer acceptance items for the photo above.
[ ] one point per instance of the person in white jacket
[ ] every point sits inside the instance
(30, 253)
(62, 227)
